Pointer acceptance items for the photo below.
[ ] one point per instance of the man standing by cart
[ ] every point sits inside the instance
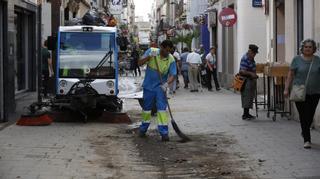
(248, 71)
(160, 64)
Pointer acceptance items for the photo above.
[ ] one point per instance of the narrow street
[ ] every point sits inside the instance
(223, 146)
(75, 75)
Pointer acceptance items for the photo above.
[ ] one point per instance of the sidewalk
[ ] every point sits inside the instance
(277, 145)
(23, 100)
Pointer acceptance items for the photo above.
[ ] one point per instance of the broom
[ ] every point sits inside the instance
(173, 122)
(35, 117)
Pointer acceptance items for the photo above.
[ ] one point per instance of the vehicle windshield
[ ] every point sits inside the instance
(81, 52)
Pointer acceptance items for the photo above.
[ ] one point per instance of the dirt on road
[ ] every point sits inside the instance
(206, 156)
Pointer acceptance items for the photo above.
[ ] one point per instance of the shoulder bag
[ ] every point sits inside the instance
(238, 82)
(298, 92)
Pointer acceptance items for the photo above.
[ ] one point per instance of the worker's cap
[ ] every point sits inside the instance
(254, 48)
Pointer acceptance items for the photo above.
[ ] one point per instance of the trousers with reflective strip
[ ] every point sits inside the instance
(151, 98)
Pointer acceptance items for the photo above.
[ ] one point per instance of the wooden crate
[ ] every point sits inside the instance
(260, 67)
(279, 71)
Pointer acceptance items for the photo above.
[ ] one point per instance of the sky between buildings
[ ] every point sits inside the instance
(143, 8)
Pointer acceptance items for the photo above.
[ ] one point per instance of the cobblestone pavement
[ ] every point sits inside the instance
(72, 150)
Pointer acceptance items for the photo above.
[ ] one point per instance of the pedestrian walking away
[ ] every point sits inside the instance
(46, 68)
(184, 66)
(153, 90)
(248, 72)
(305, 70)
(175, 84)
(211, 66)
(194, 61)
(135, 55)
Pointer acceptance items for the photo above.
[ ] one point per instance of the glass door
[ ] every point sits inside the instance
(21, 63)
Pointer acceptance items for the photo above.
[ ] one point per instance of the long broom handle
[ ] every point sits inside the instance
(174, 124)
(161, 81)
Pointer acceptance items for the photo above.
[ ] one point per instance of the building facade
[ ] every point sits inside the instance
(45, 20)
(277, 27)
(290, 22)
(19, 44)
(232, 42)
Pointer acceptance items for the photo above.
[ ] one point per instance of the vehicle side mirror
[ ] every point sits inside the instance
(52, 42)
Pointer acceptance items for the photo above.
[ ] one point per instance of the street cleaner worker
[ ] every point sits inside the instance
(154, 90)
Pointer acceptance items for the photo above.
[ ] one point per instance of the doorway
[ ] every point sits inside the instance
(280, 31)
(299, 24)
(24, 24)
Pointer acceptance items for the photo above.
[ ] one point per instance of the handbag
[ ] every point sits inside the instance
(298, 92)
(238, 82)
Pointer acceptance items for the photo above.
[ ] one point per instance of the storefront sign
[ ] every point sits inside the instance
(256, 3)
(227, 17)
(116, 7)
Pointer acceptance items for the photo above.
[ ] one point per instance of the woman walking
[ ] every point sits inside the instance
(305, 70)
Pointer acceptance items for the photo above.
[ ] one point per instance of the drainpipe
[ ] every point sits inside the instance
(39, 51)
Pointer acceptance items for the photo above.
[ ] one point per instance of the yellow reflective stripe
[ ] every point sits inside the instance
(65, 72)
(162, 118)
(164, 64)
(146, 116)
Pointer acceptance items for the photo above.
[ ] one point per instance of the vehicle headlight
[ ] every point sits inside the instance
(63, 83)
(110, 84)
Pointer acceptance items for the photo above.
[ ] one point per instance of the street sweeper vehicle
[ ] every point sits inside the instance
(86, 74)
(87, 70)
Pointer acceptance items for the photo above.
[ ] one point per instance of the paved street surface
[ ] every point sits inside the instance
(222, 146)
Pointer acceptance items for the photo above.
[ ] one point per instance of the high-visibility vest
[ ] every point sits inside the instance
(164, 64)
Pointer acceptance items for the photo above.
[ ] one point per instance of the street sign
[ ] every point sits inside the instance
(256, 3)
(227, 17)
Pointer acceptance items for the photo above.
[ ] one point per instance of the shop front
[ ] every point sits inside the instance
(3, 25)
(18, 58)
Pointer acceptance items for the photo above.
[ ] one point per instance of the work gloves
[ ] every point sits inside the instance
(153, 53)
(164, 86)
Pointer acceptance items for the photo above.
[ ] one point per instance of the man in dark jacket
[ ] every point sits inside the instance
(135, 57)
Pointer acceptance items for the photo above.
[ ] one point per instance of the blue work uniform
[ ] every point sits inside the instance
(152, 90)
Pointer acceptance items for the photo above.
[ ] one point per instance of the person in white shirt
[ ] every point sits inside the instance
(194, 61)
(175, 84)
(211, 64)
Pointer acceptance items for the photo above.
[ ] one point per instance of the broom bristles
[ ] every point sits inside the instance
(39, 120)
